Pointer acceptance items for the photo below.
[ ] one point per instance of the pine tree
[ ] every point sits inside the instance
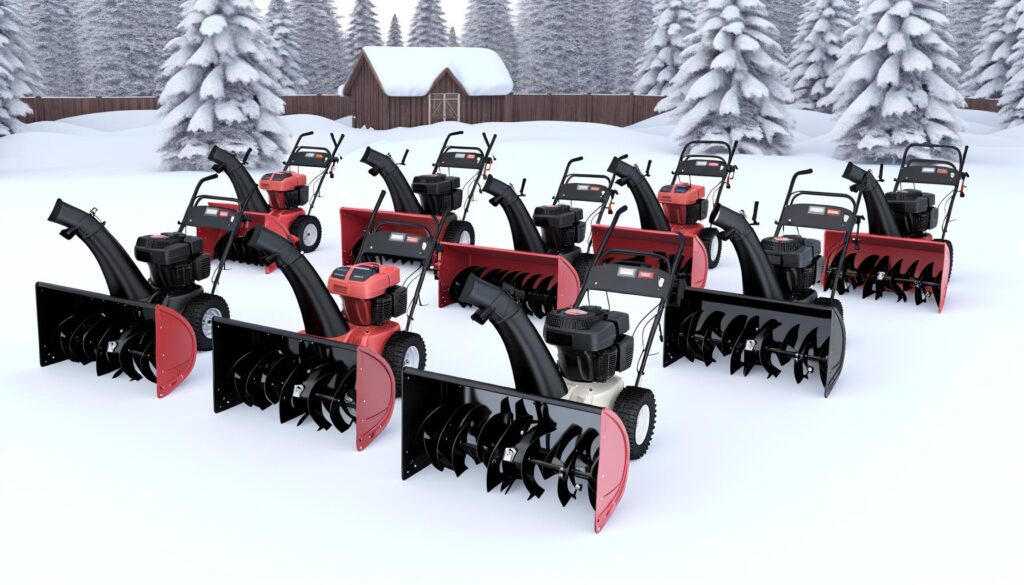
(548, 64)
(395, 33)
(219, 92)
(283, 45)
(817, 47)
(598, 70)
(990, 66)
(895, 82)
(635, 21)
(673, 24)
(18, 75)
(964, 18)
(120, 64)
(489, 26)
(786, 16)
(55, 40)
(320, 41)
(1011, 103)
(730, 84)
(453, 37)
(429, 28)
(363, 31)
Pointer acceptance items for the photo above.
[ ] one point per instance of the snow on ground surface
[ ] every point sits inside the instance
(910, 472)
(412, 71)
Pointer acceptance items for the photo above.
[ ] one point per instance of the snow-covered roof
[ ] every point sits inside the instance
(412, 71)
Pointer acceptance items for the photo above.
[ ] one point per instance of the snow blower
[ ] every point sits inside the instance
(899, 255)
(778, 317)
(283, 212)
(440, 195)
(532, 432)
(542, 270)
(142, 328)
(681, 206)
(258, 366)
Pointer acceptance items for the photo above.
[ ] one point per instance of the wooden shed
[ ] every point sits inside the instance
(411, 86)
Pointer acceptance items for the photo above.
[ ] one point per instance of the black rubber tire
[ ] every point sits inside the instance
(299, 227)
(203, 308)
(950, 246)
(712, 240)
(453, 233)
(628, 406)
(395, 351)
(830, 303)
(583, 263)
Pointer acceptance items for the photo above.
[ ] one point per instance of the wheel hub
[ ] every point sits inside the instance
(412, 357)
(208, 317)
(643, 424)
(309, 235)
(464, 237)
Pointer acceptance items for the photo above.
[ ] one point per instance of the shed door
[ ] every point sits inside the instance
(445, 107)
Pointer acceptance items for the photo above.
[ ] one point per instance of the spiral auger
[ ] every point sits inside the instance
(241, 252)
(538, 294)
(879, 274)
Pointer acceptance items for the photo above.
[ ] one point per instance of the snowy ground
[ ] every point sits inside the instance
(909, 472)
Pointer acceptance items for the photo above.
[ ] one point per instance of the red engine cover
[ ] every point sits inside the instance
(364, 281)
(676, 198)
(282, 181)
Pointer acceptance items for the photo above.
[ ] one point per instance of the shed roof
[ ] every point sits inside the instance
(412, 71)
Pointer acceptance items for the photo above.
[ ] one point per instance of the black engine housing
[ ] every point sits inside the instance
(593, 343)
(561, 226)
(914, 211)
(176, 260)
(439, 194)
(797, 262)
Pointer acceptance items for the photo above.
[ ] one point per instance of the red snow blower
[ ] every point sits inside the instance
(778, 319)
(543, 269)
(681, 206)
(899, 255)
(282, 212)
(341, 355)
(142, 328)
(440, 195)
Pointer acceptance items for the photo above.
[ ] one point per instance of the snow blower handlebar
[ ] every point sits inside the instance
(124, 279)
(532, 364)
(220, 219)
(952, 174)
(315, 157)
(320, 314)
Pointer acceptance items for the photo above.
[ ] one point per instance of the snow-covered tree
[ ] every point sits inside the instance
(219, 92)
(395, 33)
(730, 83)
(549, 64)
(282, 42)
(124, 44)
(429, 28)
(633, 23)
(896, 82)
(363, 31)
(673, 24)
(489, 25)
(786, 16)
(321, 44)
(1011, 103)
(817, 47)
(55, 40)
(990, 66)
(453, 37)
(965, 16)
(18, 76)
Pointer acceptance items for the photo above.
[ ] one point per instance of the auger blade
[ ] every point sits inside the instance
(504, 449)
(893, 284)
(430, 433)
(445, 443)
(492, 432)
(766, 342)
(711, 335)
(470, 430)
(341, 401)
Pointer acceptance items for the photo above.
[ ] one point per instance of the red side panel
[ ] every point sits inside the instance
(457, 257)
(906, 251)
(175, 350)
(373, 337)
(694, 254)
(354, 222)
(613, 469)
(375, 396)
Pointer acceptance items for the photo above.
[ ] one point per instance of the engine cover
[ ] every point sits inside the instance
(286, 189)
(593, 343)
(914, 210)
(797, 262)
(683, 203)
(561, 226)
(439, 194)
(175, 260)
(370, 293)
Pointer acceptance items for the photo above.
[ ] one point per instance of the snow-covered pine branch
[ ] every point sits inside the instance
(1011, 103)
(964, 18)
(395, 33)
(896, 82)
(730, 83)
(56, 45)
(429, 28)
(633, 21)
(363, 31)
(549, 64)
(990, 66)
(489, 26)
(18, 76)
(120, 64)
(283, 44)
(817, 47)
(218, 90)
(673, 24)
(786, 16)
(321, 44)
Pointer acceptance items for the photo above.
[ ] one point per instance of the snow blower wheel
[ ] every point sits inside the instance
(200, 313)
(460, 232)
(712, 240)
(405, 350)
(638, 410)
(307, 232)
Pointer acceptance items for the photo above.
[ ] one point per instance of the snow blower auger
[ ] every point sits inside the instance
(680, 207)
(142, 328)
(779, 318)
(899, 255)
(283, 211)
(440, 195)
(541, 271)
(529, 433)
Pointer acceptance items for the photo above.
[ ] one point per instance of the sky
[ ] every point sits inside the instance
(454, 12)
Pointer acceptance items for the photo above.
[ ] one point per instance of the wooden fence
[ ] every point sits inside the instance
(615, 110)
(983, 105)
